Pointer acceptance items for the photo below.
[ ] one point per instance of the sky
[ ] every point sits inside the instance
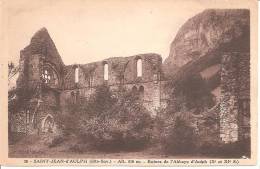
(86, 31)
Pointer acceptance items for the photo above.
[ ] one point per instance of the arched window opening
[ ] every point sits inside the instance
(77, 96)
(141, 89)
(76, 75)
(73, 97)
(48, 124)
(55, 79)
(139, 67)
(105, 71)
(141, 92)
(134, 89)
(49, 76)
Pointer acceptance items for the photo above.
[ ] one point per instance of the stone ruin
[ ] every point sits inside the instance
(43, 73)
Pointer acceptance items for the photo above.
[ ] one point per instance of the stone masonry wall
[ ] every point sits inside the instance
(122, 72)
(244, 96)
(233, 64)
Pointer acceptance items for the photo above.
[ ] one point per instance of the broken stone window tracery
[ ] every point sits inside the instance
(49, 76)
(46, 76)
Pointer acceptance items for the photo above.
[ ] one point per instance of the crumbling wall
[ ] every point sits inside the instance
(122, 72)
(234, 87)
(244, 96)
(41, 54)
(23, 72)
(43, 98)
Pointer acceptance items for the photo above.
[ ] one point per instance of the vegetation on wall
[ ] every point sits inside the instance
(189, 109)
(110, 122)
(189, 93)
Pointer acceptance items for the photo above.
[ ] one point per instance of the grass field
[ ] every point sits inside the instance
(35, 146)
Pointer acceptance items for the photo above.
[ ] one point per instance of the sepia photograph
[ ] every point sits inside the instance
(130, 80)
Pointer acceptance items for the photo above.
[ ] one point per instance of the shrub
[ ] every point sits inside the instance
(113, 122)
(68, 123)
(179, 138)
(56, 141)
(190, 92)
(189, 97)
(76, 148)
(14, 137)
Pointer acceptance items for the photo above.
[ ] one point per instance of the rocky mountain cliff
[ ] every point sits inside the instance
(211, 30)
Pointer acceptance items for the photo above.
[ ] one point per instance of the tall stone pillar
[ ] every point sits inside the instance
(229, 98)
(235, 97)
(156, 93)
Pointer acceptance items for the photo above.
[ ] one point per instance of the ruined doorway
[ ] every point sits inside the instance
(48, 124)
